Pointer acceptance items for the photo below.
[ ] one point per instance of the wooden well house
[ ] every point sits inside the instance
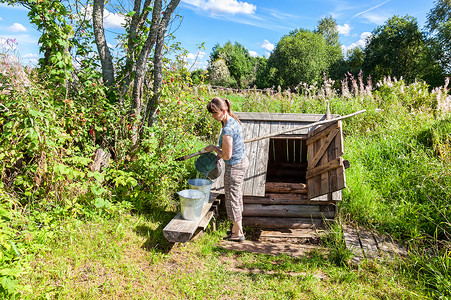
(295, 178)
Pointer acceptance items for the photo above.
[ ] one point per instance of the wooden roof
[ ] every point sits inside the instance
(261, 124)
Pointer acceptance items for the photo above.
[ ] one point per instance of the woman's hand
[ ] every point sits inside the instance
(227, 147)
(210, 148)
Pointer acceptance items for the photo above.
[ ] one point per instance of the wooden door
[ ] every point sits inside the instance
(325, 168)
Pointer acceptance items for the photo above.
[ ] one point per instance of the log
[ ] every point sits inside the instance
(284, 187)
(277, 223)
(286, 211)
(101, 160)
(279, 199)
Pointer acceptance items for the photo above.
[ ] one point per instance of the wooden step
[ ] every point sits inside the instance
(277, 223)
(179, 230)
(289, 211)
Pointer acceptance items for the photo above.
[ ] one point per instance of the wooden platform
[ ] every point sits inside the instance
(285, 205)
(179, 230)
(367, 244)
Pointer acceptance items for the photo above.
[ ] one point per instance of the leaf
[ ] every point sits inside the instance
(99, 203)
(97, 191)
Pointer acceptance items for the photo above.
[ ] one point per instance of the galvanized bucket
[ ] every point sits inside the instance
(203, 185)
(191, 204)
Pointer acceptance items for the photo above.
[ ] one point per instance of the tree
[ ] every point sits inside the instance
(327, 27)
(398, 48)
(300, 56)
(439, 25)
(144, 35)
(238, 60)
(219, 73)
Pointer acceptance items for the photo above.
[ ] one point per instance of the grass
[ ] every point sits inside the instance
(399, 183)
(113, 258)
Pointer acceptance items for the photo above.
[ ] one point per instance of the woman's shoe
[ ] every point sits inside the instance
(237, 238)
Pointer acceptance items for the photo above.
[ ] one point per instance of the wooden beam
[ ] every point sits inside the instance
(285, 187)
(286, 211)
(336, 163)
(281, 117)
(273, 223)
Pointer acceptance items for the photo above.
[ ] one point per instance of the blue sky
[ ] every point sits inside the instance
(258, 25)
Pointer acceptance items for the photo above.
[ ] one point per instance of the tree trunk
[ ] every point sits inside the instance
(157, 29)
(102, 47)
(152, 105)
(137, 21)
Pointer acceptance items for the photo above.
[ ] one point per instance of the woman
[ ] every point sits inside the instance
(231, 150)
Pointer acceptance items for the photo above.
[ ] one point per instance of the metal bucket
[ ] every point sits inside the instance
(191, 204)
(203, 185)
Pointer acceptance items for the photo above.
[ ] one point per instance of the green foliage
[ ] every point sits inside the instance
(400, 37)
(301, 56)
(241, 66)
(439, 24)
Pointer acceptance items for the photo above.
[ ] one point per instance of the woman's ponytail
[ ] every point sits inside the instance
(218, 104)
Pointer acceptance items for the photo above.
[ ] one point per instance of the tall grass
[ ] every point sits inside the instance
(399, 181)
(400, 177)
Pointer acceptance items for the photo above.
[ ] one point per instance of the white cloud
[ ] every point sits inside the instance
(267, 45)
(199, 55)
(365, 35)
(30, 55)
(360, 43)
(33, 62)
(17, 27)
(377, 19)
(223, 6)
(111, 20)
(370, 9)
(253, 53)
(344, 29)
(267, 54)
(1, 19)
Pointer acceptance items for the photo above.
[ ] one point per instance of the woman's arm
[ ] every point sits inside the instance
(227, 147)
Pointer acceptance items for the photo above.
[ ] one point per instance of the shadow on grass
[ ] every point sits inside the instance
(155, 238)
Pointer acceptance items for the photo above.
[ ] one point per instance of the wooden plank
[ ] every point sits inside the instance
(179, 230)
(369, 245)
(323, 145)
(289, 233)
(319, 132)
(206, 219)
(387, 246)
(295, 250)
(286, 211)
(285, 187)
(331, 165)
(284, 200)
(261, 161)
(314, 183)
(353, 243)
(328, 177)
(251, 149)
(291, 137)
(281, 117)
(280, 144)
(332, 197)
(273, 223)
(304, 151)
